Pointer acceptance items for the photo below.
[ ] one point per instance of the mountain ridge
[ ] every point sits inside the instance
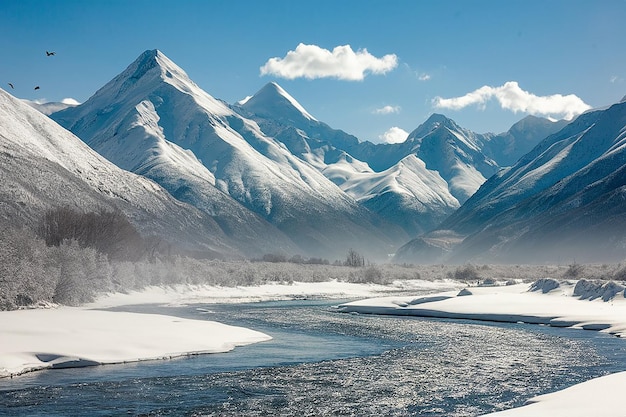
(156, 98)
(46, 167)
(565, 198)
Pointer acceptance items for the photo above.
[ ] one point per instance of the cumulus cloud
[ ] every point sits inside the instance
(423, 77)
(511, 97)
(387, 110)
(70, 101)
(311, 61)
(394, 135)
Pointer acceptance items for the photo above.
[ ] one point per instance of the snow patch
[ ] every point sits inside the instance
(591, 290)
(77, 337)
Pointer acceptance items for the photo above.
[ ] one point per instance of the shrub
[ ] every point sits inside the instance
(574, 270)
(26, 276)
(620, 275)
(466, 273)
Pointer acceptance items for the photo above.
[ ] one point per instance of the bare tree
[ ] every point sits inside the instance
(108, 232)
(354, 259)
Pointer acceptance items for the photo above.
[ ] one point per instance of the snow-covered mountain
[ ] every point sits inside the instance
(506, 148)
(280, 116)
(153, 120)
(406, 194)
(43, 166)
(463, 158)
(415, 184)
(564, 200)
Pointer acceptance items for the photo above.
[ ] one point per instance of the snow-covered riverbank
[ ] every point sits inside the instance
(63, 337)
(74, 337)
(192, 294)
(57, 337)
(578, 304)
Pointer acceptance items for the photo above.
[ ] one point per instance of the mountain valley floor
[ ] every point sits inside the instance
(30, 335)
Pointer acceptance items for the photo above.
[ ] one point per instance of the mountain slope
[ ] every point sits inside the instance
(455, 153)
(156, 99)
(564, 199)
(405, 194)
(461, 158)
(414, 197)
(44, 166)
(506, 148)
(281, 117)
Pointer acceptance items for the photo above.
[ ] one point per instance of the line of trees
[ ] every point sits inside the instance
(353, 259)
(108, 232)
(72, 256)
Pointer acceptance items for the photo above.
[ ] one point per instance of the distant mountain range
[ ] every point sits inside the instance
(265, 176)
(415, 184)
(564, 201)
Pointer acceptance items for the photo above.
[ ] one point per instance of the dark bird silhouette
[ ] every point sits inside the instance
(11, 85)
(50, 53)
(37, 88)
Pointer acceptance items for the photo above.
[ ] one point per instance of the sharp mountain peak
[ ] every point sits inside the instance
(273, 100)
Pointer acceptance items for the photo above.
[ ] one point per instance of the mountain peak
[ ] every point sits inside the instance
(147, 73)
(273, 101)
(435, 121)
(144, 63)
(153, 58)
(533, 126)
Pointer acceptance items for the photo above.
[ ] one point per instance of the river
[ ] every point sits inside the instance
(322, 362)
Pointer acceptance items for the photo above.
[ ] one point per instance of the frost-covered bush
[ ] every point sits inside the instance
(370, 275)
(82, 272)
(465, 273)
(26, 277)
(620, 274)
(574, 271)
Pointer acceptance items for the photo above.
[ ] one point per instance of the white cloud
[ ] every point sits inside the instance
(394, 135)
(387, 110)
(423, 77)
(512, 97)
(70, 101)
(311, 61)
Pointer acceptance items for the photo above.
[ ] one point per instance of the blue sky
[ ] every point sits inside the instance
(415, 57)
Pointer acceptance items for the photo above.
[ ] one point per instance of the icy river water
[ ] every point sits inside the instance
(324, 363)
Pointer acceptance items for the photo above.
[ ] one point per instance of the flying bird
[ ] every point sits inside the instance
(50, 53)
(11, 85)
(37, 88)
